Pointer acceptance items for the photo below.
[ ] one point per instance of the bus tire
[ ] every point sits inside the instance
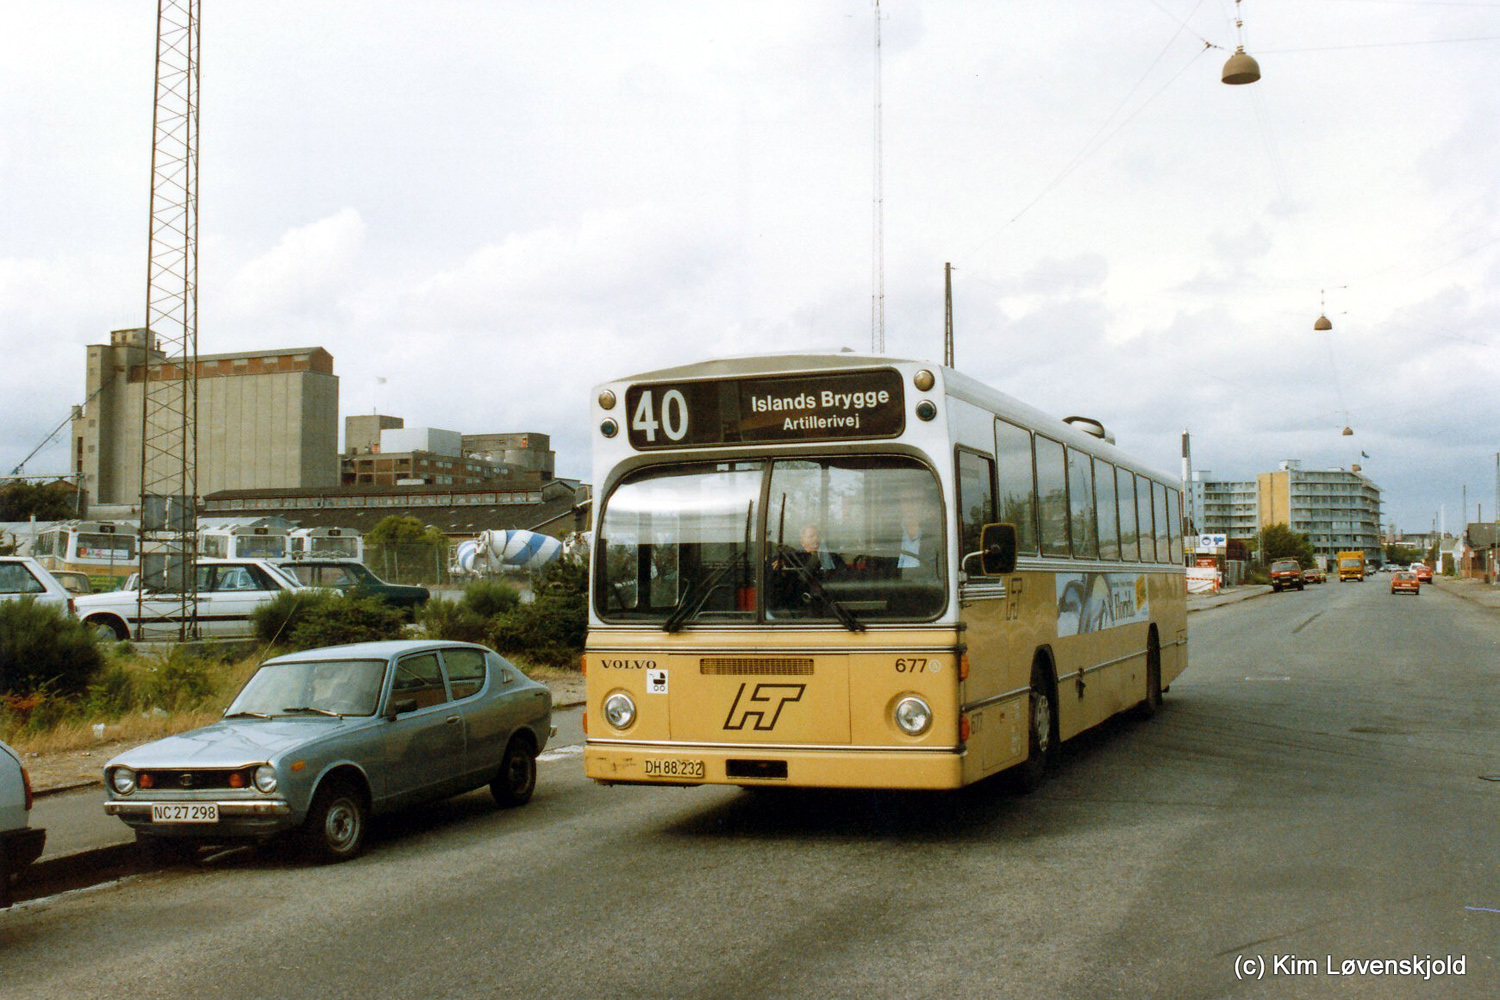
(1151, 704)
(1041, 732)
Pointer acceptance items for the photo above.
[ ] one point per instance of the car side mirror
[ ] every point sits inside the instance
(400, 707)
(997, 544)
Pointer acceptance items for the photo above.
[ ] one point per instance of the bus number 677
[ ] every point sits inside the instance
(911, 665)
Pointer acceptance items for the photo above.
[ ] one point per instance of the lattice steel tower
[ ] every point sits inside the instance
(169, 377)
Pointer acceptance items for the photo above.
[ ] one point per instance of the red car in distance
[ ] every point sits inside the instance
(1423, 571)
(1406, 582)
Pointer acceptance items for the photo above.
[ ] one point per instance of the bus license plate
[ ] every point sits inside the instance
(676, 768)
(184, 812)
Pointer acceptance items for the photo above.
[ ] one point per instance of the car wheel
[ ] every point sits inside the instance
(517, 778)
(335, 826)
(165, 852)
(1041, 735)
(107, 629)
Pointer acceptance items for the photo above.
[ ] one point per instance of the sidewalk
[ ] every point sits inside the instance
(1475, 591)
(1229, 595)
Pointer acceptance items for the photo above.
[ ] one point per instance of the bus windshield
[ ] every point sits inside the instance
(848, 540)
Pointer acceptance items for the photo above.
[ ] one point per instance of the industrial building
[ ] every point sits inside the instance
(380, 450)
(264, 418)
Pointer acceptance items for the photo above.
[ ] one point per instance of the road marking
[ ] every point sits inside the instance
(1267, 678)
(572, 750)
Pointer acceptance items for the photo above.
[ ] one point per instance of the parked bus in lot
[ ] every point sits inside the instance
(104, 551)
(243, 541)
(1351, 566)
(327, 543)
(854, 571)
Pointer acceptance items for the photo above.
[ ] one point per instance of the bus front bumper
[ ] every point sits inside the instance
(651, 764)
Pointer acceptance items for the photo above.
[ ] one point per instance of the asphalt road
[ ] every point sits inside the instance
(1315, 791)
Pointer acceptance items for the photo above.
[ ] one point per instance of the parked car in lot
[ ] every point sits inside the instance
(22, 576)
(1314, 575)
(73, 581)
(1406, 582)
(1286, 574)
(346, 575)
(228, 591)
(318, 741)
(20, 843)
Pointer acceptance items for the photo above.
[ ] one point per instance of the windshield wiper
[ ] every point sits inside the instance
(241, 715)
(686, 610)
(846, 618)
(317, 711)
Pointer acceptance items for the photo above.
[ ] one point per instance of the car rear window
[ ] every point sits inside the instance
(15, 578)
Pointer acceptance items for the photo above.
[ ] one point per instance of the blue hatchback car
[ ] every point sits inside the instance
(318, 741)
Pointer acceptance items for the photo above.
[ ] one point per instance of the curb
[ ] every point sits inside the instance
(1224, 600)
(42, 793)
(79, 870)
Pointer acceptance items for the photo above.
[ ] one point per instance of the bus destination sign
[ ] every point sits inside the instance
(833, 406)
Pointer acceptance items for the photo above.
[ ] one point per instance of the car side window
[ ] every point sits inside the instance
(341, 576)
(420, 679)
(17, 579)
(465, 671)
(234, 578)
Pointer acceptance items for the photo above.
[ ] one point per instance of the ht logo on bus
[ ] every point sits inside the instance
(763, 704)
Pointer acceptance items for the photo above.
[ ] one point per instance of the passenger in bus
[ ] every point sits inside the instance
(812, 555)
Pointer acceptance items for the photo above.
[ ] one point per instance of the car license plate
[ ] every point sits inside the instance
(184, 812)
(674, 768)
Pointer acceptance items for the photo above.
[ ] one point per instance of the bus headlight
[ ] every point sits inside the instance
(265, 778)
(123, 780)
(619, 710)
(913, 715)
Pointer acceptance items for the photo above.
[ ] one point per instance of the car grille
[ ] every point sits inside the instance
(759, 666)
(192, 780)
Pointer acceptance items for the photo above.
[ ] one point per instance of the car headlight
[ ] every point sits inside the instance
(619, 710)
(123, 780)
(913, 715)
(265, 778)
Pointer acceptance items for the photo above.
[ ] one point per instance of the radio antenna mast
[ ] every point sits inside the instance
(877, 253)
(169, 374)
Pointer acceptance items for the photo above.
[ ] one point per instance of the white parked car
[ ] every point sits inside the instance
(20, 844)
(228, 591)
(21, 576)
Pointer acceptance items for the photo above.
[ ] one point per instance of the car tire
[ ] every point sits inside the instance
(165, 852)
(517, 778)
(335, 826)
(1041, 735)
(107, 629)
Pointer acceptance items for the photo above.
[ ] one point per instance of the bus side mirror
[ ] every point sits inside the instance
(997, 542)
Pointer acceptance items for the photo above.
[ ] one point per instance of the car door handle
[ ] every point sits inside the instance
(451, 720)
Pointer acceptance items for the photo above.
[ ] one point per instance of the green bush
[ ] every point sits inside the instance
(44, 647)
(113, 694)
(547, 631)
(441, 619)
(488, 598)
(344, 618)
(182, 681)
(275, 620)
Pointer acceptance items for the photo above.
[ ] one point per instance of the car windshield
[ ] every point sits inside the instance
(340, 687)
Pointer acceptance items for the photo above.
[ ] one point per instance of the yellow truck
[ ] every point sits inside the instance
(1351, 566)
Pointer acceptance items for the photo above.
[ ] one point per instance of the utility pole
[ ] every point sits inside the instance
(948, 315)
(877, 254)
(169, 375)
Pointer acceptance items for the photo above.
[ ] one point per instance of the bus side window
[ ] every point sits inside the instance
(1052, 495)
(976, 502)
(1130, 536)
(1143, 512)
(1017, 473)
(1107, 509)
(1081, 505)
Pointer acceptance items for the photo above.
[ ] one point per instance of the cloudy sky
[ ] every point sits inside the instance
(494, 206)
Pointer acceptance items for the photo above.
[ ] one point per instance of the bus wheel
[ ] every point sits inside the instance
(1041, 735)
(1151, 704)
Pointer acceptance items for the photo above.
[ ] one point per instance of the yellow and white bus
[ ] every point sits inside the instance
(104, 551)
(854, 571)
